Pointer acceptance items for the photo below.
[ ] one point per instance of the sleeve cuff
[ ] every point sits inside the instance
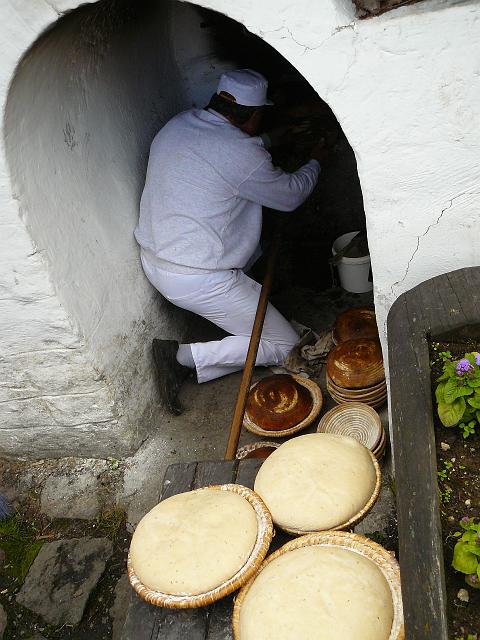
(266, 139)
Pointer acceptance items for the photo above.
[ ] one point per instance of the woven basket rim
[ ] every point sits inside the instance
(353, 542)
(381, 448)
(359, 407)
(376, 401)
(358, 390)
(259, 551)
(382, 441)
(356, 518)
(375, 404)
(251, 446)
(359, 397)
(317, 398)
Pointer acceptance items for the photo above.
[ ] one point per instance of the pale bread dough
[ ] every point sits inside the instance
(193, 542)
(316, 482)
(318, 593)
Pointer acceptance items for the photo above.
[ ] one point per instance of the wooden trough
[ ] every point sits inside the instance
(445, 303)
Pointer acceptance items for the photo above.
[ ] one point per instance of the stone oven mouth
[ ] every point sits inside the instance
(84, 105)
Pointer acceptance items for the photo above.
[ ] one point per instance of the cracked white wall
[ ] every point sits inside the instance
(76, 313)
(405, 88)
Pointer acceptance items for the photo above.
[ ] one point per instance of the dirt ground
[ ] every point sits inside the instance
(22, 483)
(459, 485)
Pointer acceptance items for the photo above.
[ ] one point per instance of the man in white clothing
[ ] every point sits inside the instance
(208, 176)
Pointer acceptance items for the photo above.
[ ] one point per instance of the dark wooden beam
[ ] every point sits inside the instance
(441, 304)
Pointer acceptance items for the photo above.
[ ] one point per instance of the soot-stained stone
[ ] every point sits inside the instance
(74, 495)
(3, 621)
(62, 577)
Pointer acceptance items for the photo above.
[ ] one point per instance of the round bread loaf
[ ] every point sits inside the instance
(278, 402)
(356, 364)
(355, 323)
(318, 593)
(316, 482)
(193, 542)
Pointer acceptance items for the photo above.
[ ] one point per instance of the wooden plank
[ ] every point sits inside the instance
(220, 620)
(141, 620)
(215, 472)
(247, 472)
(410, 318)
(192, 623)
(371, 8)
(147, 622)
(465, 284)
(180, 625)
(178, 479)
(450, 312)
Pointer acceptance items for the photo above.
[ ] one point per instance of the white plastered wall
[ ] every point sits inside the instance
(405, 88)
(76, 312)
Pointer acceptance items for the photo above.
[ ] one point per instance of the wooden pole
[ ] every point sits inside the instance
(237, 419)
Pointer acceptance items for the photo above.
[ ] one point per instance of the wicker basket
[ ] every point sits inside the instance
(382, 559)
(380, 386)
(317, 398)
(355, 419)
(380, 449)
(374, 400)
(358, 517)
(262, 544)
(247, 449)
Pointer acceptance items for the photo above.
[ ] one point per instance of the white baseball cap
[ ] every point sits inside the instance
(248, 87)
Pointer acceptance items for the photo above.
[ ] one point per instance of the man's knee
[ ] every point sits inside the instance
(277, 351)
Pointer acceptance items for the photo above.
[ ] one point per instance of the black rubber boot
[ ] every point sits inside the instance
(170, 373)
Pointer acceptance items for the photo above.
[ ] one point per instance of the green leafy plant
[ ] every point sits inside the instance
(445, 472)
(439, 356)
(458, 393)
(466, 554)
(19, 541)
(468, 429)
(446, 495)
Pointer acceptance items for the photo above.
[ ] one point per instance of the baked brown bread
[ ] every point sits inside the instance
(278, 402)
(355, 323)
(356, 364)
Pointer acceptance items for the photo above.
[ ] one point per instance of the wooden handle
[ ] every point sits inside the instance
(244, 388)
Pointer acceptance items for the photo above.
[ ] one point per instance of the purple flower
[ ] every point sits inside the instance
(465, 520)
(477, 359)
(473, 578)
(463, 366)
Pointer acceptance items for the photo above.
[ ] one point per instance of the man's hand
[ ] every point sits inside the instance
(279, 135)
(321, 153)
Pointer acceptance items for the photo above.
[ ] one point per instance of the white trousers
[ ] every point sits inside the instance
(229, 299)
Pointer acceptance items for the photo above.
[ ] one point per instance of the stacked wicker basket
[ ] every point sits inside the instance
(359, 421)
(287, 479)
(355, 371)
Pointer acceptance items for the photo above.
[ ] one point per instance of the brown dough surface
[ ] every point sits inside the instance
(278, 402)
(356, 364)
(355, 323)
